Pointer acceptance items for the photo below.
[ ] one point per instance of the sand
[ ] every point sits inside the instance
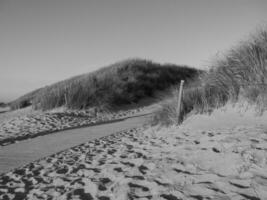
(27, 123)
(152, 163)
(21, 153)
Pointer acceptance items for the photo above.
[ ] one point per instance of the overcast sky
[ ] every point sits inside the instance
(44, 41)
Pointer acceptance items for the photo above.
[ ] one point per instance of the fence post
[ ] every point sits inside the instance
(180, 101)
(65, 97)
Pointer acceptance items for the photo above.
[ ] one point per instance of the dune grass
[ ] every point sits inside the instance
(122, 83)
(2, 104)
(241, 74)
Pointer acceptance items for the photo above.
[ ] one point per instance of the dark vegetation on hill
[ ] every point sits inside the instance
(241, 74)
(25, 100)
(2, 104)
(122, 83)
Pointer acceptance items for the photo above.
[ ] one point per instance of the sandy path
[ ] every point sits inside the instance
(27, 123)
(18, 154)
(170, 164)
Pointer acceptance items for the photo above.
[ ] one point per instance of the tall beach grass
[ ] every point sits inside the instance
(240, 74)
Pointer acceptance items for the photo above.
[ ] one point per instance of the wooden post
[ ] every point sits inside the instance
(180, 101)
(66, 99)
(95, 112)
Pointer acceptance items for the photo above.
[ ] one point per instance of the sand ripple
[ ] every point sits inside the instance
(150, 164)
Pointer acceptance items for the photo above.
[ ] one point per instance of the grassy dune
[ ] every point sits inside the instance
(115, 85)
(241, 74)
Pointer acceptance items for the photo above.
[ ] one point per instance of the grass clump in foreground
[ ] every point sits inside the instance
(241, 74)
(119, 84)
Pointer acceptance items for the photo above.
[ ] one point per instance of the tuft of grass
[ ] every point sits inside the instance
(240, 74)
(168, 113)
(119, 84)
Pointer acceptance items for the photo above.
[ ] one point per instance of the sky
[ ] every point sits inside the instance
(45, 41)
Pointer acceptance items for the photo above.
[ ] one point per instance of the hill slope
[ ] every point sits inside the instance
(118, 84)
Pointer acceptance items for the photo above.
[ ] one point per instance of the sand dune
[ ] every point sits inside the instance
(176, 163)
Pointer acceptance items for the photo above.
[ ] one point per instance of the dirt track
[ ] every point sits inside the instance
(19, 154)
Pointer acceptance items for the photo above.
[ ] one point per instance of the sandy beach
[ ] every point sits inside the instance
(151, 163)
